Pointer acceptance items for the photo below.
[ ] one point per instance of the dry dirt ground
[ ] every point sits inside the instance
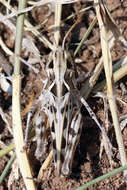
(87, 164)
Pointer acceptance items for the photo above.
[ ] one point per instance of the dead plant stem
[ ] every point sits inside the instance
(109, 79)
(16, 111)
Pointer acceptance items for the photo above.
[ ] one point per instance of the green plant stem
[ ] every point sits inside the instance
(6, 169)
(6, 150)
(101, 178)
(19, 32)
(86, 35)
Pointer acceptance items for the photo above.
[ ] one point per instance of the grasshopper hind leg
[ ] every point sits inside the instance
(72, 134)
(40, 129)
(73, 139)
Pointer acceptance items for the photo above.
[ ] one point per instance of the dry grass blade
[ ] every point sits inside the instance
(117, 75)
(109, 76)
(7, 22)
(3, 116)
(121, 72)
(99, 66)
(38, 35)
(110, 23)
(16, 112)
(29, 47)
(87, 88)
(37, 4)
(5, 48)
(45, 165)
(4, 20)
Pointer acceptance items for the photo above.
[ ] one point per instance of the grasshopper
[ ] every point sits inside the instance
(60, 103)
